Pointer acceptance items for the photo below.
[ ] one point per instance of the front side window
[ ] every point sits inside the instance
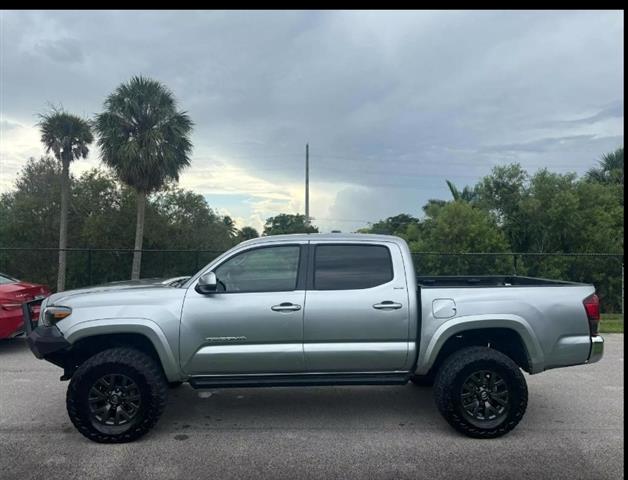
(348, 267)
(270, 269)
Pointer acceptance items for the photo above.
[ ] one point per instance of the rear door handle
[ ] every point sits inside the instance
(387, 305)
(286, 307)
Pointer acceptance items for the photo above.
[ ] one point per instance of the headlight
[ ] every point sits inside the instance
(42, 309)
(53, 314)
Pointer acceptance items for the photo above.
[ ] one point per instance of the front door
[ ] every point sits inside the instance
(356, 315)
(253, 323)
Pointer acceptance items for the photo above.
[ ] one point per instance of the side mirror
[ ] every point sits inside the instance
(207, 283)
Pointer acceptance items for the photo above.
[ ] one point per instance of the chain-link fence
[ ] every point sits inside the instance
(89, 266)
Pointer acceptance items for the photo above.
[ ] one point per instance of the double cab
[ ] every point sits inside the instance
(314, 309)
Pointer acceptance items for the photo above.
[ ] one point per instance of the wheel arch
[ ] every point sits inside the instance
(90, 337)
(512, 336)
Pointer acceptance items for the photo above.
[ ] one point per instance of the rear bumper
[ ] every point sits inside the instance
(12, 321)
(11, 324)
(597, 349)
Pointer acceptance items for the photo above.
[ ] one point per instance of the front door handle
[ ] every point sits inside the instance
(387, 305)
(286, 307)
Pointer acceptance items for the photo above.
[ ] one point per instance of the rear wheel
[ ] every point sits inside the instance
(481, 392)
(116, 396)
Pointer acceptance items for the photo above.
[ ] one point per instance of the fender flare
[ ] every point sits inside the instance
(141, 326)
(462, 324)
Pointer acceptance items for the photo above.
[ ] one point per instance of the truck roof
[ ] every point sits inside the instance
(349, 237)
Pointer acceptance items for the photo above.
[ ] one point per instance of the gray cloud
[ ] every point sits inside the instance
(392, 103)
(612, 111)
(542, 144)
(65, 50)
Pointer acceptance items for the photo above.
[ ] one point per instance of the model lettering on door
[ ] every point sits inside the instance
(225, 339)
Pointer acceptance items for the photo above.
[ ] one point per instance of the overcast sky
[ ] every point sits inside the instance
(392, 104)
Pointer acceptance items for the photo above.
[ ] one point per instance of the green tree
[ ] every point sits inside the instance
(610, 169)
(247, 233)
(189, 221)
(68, 137)
(395, 225)
(36, 196)
(230, 225)
(29, 217)
(502, 193)
(145, 139)
(101, 216)
(433, 206)
(460, 228)
(467, 194)
(288, 223)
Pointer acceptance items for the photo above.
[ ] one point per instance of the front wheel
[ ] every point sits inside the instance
(116, 396)
(481, 392)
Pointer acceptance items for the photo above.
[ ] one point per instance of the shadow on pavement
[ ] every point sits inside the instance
(300, 408)
(11, 345)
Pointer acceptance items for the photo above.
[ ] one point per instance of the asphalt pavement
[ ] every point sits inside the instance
(573, 429)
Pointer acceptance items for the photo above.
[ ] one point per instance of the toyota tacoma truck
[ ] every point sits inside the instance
(313, 309)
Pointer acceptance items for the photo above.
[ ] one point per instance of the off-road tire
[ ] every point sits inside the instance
(457, 368)
(133, 364)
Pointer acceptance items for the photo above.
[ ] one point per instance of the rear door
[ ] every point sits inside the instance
(356, 316)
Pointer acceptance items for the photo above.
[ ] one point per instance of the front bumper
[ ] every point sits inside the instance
(44, 341)
(597, 349)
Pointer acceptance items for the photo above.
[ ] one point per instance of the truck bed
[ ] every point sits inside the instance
(427, 281)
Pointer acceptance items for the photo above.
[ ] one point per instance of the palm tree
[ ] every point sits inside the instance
(230, 225)
(146, 142)
(611, 169)
(68, 137)
(247, 233)
(466, 195)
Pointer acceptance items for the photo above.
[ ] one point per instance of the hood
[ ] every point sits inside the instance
(110, 291)
(170, 281)
(103, 302)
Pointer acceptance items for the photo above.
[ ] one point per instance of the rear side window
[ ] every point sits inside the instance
(349, 267)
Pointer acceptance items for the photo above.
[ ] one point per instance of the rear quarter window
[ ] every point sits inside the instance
(350, 267)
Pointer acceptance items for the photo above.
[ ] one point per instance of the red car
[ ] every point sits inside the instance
(13, 293)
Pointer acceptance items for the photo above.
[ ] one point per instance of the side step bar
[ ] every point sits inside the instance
(311, 380)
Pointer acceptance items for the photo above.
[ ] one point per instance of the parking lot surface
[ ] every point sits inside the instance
(573, 429)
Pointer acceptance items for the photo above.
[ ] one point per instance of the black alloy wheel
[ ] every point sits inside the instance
(484, 398)
(114, 400)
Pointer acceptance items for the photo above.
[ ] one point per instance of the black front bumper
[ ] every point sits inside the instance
(44, 342)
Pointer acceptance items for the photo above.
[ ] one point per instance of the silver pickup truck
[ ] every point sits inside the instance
(296, 310)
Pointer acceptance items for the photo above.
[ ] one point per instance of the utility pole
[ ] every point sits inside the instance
(307, 184)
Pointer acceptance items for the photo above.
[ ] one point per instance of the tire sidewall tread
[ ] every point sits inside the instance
(454, 371)
(131, 362)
